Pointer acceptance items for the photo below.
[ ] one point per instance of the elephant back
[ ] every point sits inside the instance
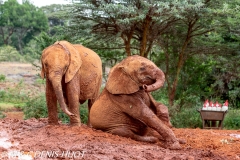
(90, 73)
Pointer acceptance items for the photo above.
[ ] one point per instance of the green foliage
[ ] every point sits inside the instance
(40, 81)
(10, 54)
(186, 118)
(36, 108)
(83, 109)
(232, 120)
(6, 107)
(14, 95)
(84, 113)
(161, 96)
(44, 40)
(20, 22)
(2, 115)
(130, 25)
(2, 78)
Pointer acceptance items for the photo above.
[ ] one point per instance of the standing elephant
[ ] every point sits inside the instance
(126, 107)
(73, 75)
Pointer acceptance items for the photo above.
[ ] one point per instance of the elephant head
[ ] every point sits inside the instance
(60, 60)
(132, 73)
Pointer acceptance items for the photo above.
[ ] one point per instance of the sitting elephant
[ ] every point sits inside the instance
(126, 108)
(73, 75)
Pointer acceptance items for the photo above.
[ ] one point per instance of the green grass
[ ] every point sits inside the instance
(40, 81)
(14, 95)
(6, 106)
(2, 78)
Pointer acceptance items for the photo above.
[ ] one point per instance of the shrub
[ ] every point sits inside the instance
(37, 108)
(232, 120)
(40, 81)
(14, 95)
(10, 54)
(2, 78)
(186, 118)
(2, 115)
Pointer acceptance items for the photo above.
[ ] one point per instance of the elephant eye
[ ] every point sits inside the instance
(142, 69)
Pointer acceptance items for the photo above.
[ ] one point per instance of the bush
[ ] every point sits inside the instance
(161, 96)
(10, 54)
(37, 108)
(2, 115)
(2, 78)
(232, 120)
(14, 95)
(186, 118)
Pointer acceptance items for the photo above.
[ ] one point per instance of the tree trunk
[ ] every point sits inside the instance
(5, 39)
(127, 40)
(143, 47)
(172, 91)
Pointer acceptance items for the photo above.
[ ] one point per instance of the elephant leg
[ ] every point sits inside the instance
(73, 92)
(90, 103)
(51, 103)
(126, 132)
(163, 114)
(151, 132)
(155, 123)
(137, 109)
(160, 110)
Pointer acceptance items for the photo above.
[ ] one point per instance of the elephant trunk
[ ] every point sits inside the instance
(57, 86)
(160, 78)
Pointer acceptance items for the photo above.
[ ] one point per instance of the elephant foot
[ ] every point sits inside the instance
(126, 132)
(172, 145)
(53, 122)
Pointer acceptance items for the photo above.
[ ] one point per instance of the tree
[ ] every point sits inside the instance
(176, 31)
(21, 22)
(137, 23)
(195, 37)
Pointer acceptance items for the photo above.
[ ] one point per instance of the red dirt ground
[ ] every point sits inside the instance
(35, 139)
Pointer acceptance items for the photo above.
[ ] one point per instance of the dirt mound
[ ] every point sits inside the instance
(35, 139)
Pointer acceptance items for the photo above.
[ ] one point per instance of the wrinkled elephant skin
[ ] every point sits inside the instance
(73, 75)
(126, 107)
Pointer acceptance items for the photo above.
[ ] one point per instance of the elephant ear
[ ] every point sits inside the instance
(42, 57)
(120, 82)
(75, 60)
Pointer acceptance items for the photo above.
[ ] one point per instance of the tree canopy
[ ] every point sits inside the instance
(170, 32)
(138, 24)
(20, 22)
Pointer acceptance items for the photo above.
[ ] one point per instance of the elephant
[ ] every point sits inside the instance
(126, 107)
(73, 75)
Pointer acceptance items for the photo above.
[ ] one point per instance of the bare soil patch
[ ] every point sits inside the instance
(36, 138)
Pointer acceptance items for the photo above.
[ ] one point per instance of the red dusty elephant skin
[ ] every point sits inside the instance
(73, 75)
(126, 107)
